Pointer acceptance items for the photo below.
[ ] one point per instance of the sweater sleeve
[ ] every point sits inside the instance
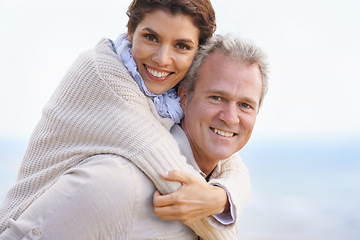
(141, 134)
(234, 177)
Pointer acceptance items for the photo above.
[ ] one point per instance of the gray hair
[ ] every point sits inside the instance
(235, 48)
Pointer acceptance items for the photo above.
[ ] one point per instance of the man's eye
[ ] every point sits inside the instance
(245, 105)
(150, 37)
(183, 46)
(216, 98)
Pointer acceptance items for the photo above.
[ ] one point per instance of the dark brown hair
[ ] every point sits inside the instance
(201, 11)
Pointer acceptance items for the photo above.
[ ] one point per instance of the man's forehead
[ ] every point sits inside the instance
(225, 76)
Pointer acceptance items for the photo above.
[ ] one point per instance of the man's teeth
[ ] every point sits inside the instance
(157, 74)
(222, 133)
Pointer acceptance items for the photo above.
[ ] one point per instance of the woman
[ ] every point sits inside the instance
(98, 108)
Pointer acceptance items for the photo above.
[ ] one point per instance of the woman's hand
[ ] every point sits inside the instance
(194, 200)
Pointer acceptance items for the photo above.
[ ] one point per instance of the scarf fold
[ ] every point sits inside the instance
(168, 103)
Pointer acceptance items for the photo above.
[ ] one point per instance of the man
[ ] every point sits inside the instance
(221, 96)
(220, 108)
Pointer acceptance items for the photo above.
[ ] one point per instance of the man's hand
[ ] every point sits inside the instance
(194, 200)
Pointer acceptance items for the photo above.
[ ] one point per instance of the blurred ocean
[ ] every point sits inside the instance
(301, 189)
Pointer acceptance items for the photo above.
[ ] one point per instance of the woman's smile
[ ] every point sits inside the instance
(157, 75)
(163, 47)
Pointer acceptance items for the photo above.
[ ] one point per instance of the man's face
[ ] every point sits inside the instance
(220, 116)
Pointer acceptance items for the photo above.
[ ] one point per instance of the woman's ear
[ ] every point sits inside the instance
(130, 37)
(183, 97)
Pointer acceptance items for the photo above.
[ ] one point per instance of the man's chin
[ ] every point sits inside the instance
(221, 155)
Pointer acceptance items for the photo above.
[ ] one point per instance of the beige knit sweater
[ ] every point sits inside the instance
(99, 109)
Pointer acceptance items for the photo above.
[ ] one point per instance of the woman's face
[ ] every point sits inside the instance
(163, 47)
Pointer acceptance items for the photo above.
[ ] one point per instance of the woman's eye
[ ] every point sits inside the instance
(150, 37)
(183, 46)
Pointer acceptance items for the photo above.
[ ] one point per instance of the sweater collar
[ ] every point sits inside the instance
(168, 103)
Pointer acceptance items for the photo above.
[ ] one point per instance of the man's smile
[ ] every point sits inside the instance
(223, 133)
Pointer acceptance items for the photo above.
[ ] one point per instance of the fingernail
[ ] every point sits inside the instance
(165, 174)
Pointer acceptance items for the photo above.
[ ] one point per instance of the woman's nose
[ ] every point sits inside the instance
(163, 56)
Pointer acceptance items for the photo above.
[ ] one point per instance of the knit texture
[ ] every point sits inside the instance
(99, 109)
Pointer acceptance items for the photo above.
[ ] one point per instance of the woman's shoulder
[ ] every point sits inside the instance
(104, 52)
(107, 63)
(101, 55)
(105, 46)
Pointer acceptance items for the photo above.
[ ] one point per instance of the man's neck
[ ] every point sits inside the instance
(193, 158)
(206, 165)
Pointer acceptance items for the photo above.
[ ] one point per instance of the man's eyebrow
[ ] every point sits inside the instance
(216, 91)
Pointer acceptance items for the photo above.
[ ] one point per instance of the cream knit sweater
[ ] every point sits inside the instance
(99, 109)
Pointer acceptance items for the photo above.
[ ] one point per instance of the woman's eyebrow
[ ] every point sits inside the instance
(186, 41)
(151, 31)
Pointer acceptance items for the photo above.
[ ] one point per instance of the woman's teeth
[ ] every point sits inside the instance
(157, 74)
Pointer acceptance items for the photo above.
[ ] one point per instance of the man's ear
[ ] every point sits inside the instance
(183, 97)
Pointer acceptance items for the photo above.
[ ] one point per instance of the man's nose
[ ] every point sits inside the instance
(163, 56)
(230, 114)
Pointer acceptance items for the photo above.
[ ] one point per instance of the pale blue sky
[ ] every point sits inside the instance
(313, 47)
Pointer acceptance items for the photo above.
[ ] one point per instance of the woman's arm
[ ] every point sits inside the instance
(141, 135)
(194, 200)
(233, 175)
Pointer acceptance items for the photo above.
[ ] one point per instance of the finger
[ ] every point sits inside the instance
(162, 200)
(177, 176)
(158, 199)
(171, 212)
(156, 195)
(165, 212)
(174, 213)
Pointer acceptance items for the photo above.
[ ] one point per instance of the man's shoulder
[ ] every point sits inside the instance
(126, 170)
(122, 169)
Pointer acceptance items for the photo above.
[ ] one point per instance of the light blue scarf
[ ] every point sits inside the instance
(168, 103)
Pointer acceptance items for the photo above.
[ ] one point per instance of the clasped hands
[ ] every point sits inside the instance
(194, 200)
